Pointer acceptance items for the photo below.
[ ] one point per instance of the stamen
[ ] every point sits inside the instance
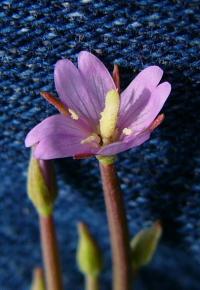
(109, 116)
(73, 114)
(127, 131)
(92, 138)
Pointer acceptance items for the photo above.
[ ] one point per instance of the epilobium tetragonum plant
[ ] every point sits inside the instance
(101, 121)
(96, 119)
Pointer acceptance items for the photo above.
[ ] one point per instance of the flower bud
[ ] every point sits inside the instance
(144, 245)
(89, 257)
(41, 185)
(38, 280)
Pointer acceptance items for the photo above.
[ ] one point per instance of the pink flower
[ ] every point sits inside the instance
(100, 122)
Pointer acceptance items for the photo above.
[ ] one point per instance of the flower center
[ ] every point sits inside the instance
(109, 116)
(107, 131)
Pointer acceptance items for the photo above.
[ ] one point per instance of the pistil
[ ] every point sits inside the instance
(109, 116)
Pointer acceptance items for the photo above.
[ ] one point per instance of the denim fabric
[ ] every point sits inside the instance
(160, 179)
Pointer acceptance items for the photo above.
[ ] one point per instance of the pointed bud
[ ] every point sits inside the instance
(144, 245)
(89, 257)
(38, 280)
(41, 185)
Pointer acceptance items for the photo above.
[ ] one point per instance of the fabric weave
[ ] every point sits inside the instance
(160, 179)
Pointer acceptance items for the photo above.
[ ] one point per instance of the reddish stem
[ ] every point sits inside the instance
(50, 254)
(92, 283)
(118, 228)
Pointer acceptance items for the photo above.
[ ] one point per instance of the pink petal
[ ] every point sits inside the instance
(72, 90)
(113, 148)
(131, 142)
(98, 79)
(60, 146)
(141, 121)
(55, 125)
(126, 118)
(146, 80)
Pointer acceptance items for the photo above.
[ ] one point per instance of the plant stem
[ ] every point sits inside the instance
(50, 253)
(117, 226)
(92, 282)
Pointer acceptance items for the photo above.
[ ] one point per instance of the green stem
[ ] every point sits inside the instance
(50, 253)
(117, 226)
(92, 282)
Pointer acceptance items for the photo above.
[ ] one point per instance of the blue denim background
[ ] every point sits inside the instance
(160, 179)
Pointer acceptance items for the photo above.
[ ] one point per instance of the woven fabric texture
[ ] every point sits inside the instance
(160, 179)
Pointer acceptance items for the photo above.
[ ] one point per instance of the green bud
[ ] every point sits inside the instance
(38, 280)
(89, 257)
(144, 245)
(41, 185)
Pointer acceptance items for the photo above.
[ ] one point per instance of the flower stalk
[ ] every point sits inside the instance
(117, 226)
(92, 282)
(50, 253)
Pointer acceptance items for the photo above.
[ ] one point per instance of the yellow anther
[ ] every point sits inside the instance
(92, 138)
(73, 114)
(109, 116)
(127, 131)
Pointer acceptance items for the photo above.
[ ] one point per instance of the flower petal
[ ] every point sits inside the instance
(72, 90)
(127, 118)
(98, 79)
(121, 146)
(60, 146)
(147, 79)
(141, 121)
(55, 125)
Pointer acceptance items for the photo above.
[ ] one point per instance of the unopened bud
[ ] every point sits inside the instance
(42, 185)
(144, 245)
(38, 280)
(89, 257)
